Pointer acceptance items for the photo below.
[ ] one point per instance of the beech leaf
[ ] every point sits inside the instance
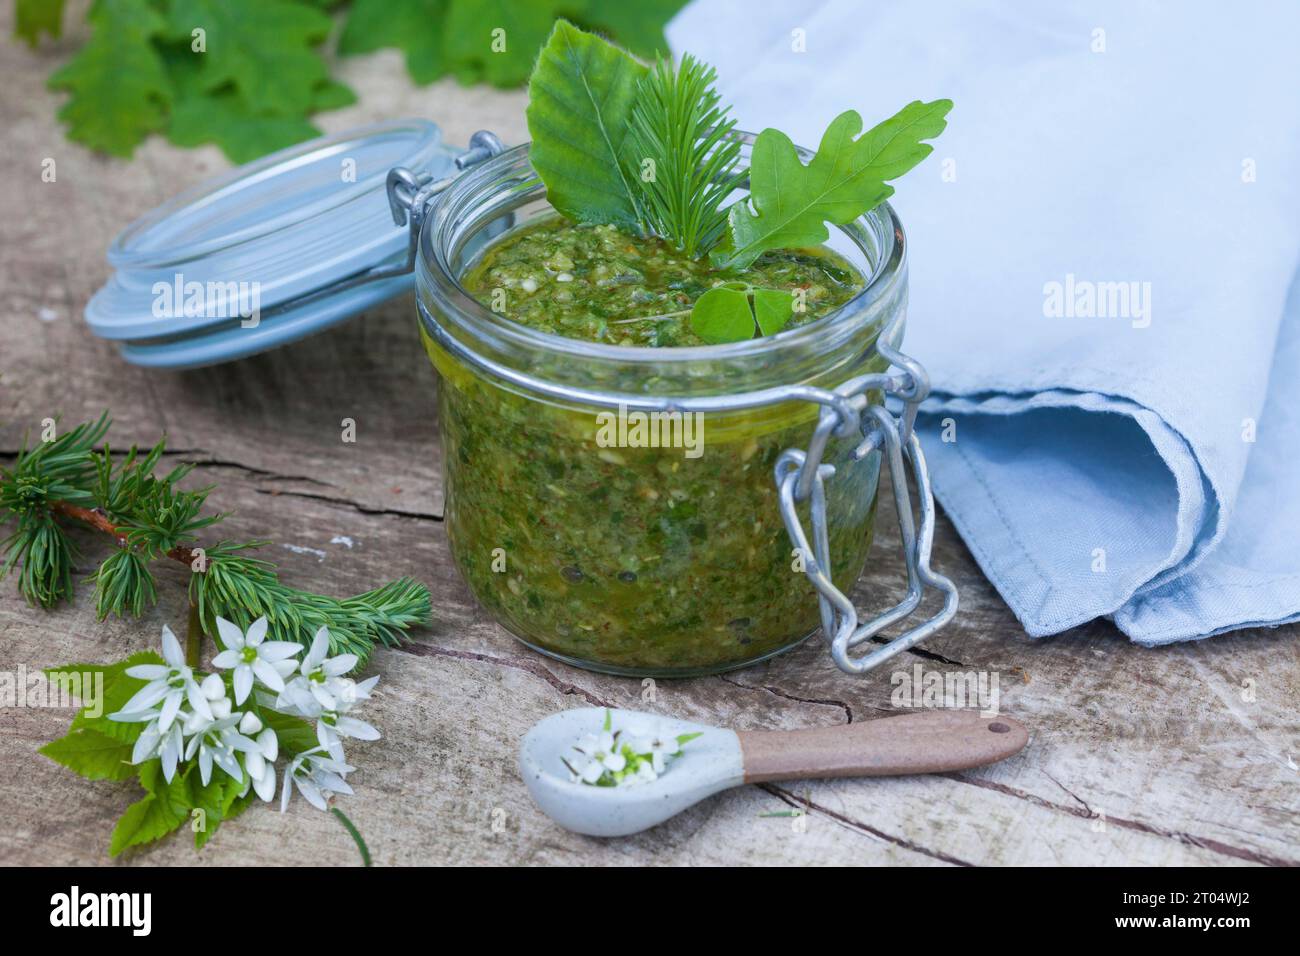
(580, 98)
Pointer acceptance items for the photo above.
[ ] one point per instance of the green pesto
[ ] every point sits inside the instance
(601, 285)
(634, 560)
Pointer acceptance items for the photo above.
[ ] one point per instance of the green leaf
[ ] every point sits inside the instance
(638, 26)
(791, 202)
(580, 99)
(224, 120)
(355, 834)
(413, 26)
(165, 807)
(119, 88)
(500, 36)
(34, 17)
(118, 689)
(92, 754)
(687, 738)
(723, 314)
(261, 49)
(772, 309)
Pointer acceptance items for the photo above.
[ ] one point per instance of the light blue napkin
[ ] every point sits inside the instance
(1137, 457)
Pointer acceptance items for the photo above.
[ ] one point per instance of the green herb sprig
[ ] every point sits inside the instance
(684, 154)
(651, 151)
(151, 518)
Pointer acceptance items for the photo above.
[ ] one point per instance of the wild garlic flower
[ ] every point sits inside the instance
(252, 656)
(317, 776)
(320, 675)
(154, 741)
(239, 742)
(611, 759)
(217, 743)
(260, 763)
(658, 748)
(169, 685)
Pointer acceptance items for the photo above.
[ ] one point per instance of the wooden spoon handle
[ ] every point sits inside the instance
(929, 742)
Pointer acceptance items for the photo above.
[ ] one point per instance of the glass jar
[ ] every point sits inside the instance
(586, 541)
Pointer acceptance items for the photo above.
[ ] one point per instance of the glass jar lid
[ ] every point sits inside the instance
(263, 254)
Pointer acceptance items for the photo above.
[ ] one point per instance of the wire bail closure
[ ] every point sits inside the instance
(410, 195)
(801, 476)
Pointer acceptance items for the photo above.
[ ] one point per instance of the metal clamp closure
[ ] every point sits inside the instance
(801, 476)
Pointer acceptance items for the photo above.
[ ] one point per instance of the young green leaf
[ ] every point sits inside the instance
(93, 755)
(120, 92)
(580, 99)
(790, 203)
(723, 314)
(681, 154)
(772, 310)
(729, 312)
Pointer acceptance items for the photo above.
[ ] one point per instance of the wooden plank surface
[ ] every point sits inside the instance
(1185, 754)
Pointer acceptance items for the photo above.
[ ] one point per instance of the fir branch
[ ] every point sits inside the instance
(44, 553)
(242, 589)
(680, 137)
(56, 470)
(149, 518)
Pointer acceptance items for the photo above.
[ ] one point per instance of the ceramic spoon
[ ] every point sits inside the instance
(930, 742)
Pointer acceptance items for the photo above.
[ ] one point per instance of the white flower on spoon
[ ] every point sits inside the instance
(598, 753)
(658, 747)
(252, 656)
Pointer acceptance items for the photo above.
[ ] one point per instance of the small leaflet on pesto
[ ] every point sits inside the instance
(650, 150)
(619, 758)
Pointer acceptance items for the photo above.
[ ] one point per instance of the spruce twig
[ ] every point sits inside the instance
(681, 137)
(149, 517)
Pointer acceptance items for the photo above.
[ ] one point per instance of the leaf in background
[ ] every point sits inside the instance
(413, 26)
(262, 49)
(791, 202)
(119, 88)
(638, 26)
(773, 308)
(223, 118)
(34, 17)
(723, 314)
(500, 36)
(579, 100)
(92, 754)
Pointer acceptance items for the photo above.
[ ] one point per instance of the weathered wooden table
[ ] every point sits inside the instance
(1180, 755)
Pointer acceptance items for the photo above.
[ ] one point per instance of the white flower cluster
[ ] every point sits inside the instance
(231, 735)
(613, 759)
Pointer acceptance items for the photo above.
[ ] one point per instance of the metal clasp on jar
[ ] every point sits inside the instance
(801, 476)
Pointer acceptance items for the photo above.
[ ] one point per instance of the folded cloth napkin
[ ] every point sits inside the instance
(1102, 247)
